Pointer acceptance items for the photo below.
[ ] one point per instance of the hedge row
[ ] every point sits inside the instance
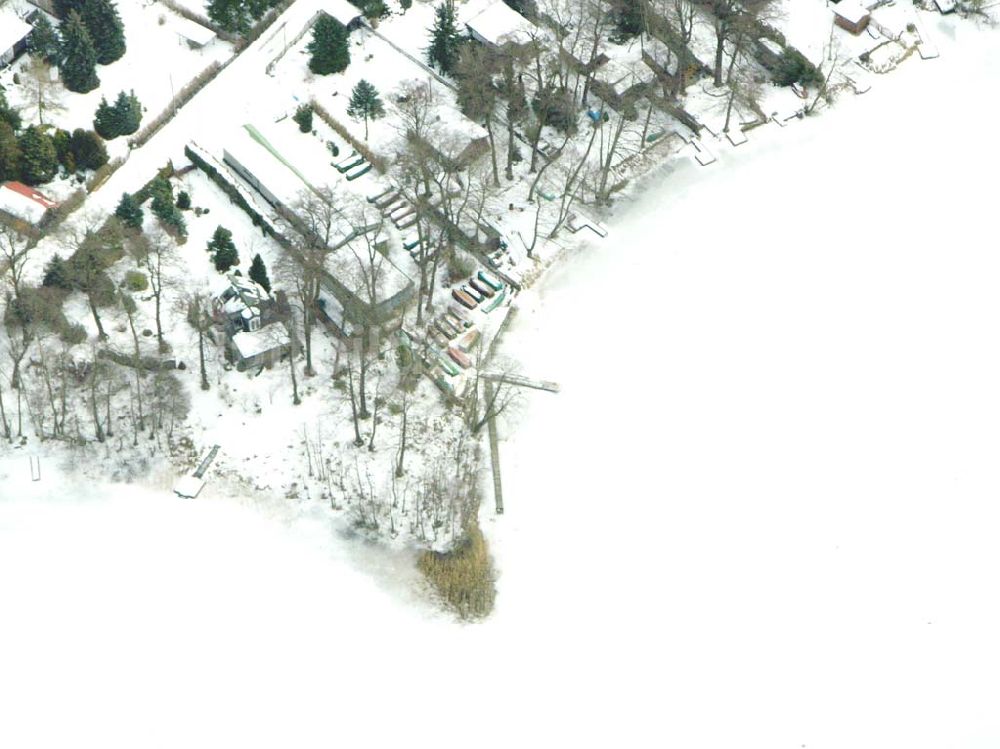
(103, 174)
(183, 97)
(376, 161)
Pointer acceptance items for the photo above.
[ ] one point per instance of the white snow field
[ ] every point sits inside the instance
(762, 513)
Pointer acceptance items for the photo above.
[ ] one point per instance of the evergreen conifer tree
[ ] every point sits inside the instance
(304, 118)
(106, 30)
(79, 60)
(64, 7)
(57, 274)
(258, 272)
(106, 121)
(88, 149)
(224, 253)
(329, 50)
(8, 114)
(129, 212)
(38, 157)
(43, 41)
(10, 153)
(129, 112)
(231, 15)
(446, 41)
(365, 104)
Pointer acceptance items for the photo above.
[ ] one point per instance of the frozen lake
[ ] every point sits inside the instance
(762, 512)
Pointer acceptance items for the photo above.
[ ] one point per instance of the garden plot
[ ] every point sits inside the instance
(158, 63)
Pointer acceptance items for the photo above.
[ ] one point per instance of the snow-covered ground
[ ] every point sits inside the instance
(761, 513)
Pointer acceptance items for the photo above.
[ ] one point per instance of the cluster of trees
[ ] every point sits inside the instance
(34, 154)
(121, 118)
(328, 48)
(164, 207)
(237, 16)
(91, 34)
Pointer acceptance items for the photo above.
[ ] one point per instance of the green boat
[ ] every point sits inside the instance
(490, 280)
(495, 302)
(447, 364)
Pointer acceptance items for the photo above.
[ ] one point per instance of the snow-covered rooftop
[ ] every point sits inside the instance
(12, 30)
(495, 22)
(24, 202)
(850, 10)
(342, 10)
(250, 344)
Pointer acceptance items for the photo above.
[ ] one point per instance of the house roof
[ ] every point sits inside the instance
(24, 202)
(497, 22)
(268, 338)
(12, 30)
(851, 11)
(342, 10)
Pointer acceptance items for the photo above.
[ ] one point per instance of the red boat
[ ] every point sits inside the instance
(459, 358)
(464, 299)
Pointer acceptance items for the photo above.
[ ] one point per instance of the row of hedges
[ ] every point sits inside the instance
(183, 97)
(142, 195)
(376, 161)
(103, 174)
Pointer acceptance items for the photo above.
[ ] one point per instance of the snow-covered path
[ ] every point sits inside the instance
(761, 512)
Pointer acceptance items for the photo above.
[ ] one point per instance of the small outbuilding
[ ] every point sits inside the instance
(193, 34)
(496, 24)
(255, 337)
(349, 15)
(24, 203)
(13, 37)
(851, 16)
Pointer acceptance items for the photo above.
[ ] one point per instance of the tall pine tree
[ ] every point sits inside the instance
(38, 157)
(328, 47)
(106, 121)
(8, 114)
(258, 272)
(129, 112)
(43, 41)
(79, 60)
(106, 30)
(365, 104)
(446, 41)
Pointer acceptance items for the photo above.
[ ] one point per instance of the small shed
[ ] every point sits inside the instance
(349, 15)
(496, 24)
(24, 203)
(196, 35)
(945, 6)
(851, 16)
(13, 37)
(259, 348)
